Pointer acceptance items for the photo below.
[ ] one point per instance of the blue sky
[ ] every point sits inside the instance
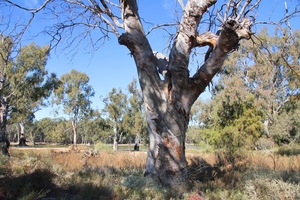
(111, 65)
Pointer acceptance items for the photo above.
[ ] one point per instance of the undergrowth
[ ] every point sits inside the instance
(119, 175)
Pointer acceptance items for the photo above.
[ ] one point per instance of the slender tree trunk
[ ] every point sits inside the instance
(4, 142)
(17, 134)
(22, 141)
(266, 127)
(137, 142)
(74, 126)
(115, 144)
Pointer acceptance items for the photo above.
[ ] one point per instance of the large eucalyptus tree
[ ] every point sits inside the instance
(167, 97)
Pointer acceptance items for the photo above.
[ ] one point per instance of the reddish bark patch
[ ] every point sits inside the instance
(170, 144)
(178, 151)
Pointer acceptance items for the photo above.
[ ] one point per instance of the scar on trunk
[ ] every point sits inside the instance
(170, 144)
(168, 91)
(212, 42)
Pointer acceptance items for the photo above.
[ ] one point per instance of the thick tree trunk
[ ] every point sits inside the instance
(168, 102)
(166, 155)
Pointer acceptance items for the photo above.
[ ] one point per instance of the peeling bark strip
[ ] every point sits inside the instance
(168, 102)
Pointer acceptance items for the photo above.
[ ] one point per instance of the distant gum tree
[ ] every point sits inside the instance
(115, 108)
(74, 93)
(169, 90)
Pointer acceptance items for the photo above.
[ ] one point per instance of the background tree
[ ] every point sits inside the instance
(42, 128)
(26, 83)
(269, 69)
(167, 99)
(94, 129)
(29, 83)
(275, 80)
(115, 107)
(255, 95)
(74, 95)
(50, 130)
(135, 114)
(6, 46)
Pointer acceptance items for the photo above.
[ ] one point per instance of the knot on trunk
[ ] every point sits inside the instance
(232, 32)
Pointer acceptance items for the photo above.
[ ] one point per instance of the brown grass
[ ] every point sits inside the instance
(119, 175)
(273, 161)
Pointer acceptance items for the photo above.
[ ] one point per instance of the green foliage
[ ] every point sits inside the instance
(286, 125)
(94, 130)
(269, 70)
(134, 118)
(74, 94)
(236, 125)
(126, 112)
(29, 82)
(53, 130)
(256, 95)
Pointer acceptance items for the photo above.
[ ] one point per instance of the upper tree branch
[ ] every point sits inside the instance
(185, 41)
(135, 40)
(187, 30)
(232, 32)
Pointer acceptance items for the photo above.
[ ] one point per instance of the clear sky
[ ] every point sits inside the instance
(111, 65)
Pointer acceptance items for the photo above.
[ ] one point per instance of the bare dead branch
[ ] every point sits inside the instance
(161, 26)
(181, 4)
(242, 10)
(31, 10)
(111, 15)
(252, 7)
(228, 5)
